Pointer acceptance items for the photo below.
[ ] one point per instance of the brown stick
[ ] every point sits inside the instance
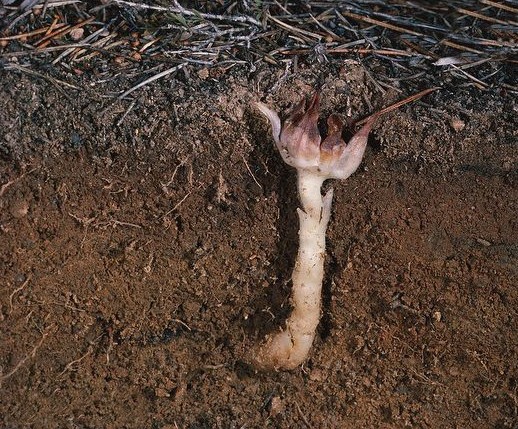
(29, 34)
(397, 105)
(499, 5)
(59, 33)
(380, 23)
(353, 50)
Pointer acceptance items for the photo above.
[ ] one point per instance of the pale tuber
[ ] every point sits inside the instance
(300, 146)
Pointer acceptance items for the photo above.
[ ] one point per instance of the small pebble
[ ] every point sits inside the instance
(454, 371)
(20, 208)
(203, 74)
(457, 124)
(160, 392)
(77, 33)
(277, 406)
(316, 375)
(483, 242)
(20, 278)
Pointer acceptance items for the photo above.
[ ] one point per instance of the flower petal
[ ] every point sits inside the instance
(353, 153)
(333, 145)
(300, 137)
(274, 119)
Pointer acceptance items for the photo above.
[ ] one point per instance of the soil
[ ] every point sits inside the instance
(146, 248)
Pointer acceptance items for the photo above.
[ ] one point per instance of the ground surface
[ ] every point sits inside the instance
(145, 251)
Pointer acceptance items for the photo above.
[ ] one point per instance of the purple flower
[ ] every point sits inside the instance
(300, 144)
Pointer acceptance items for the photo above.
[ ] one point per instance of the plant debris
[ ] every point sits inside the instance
(449, 43)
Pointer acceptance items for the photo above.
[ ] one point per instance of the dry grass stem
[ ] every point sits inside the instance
(152, 79)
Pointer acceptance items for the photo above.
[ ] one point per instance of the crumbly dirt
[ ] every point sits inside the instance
(146, 247)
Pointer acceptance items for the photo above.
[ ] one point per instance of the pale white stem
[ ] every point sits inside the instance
(274, 119)
(289, 348)
(301, 146)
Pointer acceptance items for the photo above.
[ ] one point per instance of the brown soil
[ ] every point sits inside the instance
(143, 256)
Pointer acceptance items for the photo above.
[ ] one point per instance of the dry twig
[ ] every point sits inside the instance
(152, 79)
(397, 105)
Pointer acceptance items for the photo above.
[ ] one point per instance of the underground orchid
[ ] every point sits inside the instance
(301, 146)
